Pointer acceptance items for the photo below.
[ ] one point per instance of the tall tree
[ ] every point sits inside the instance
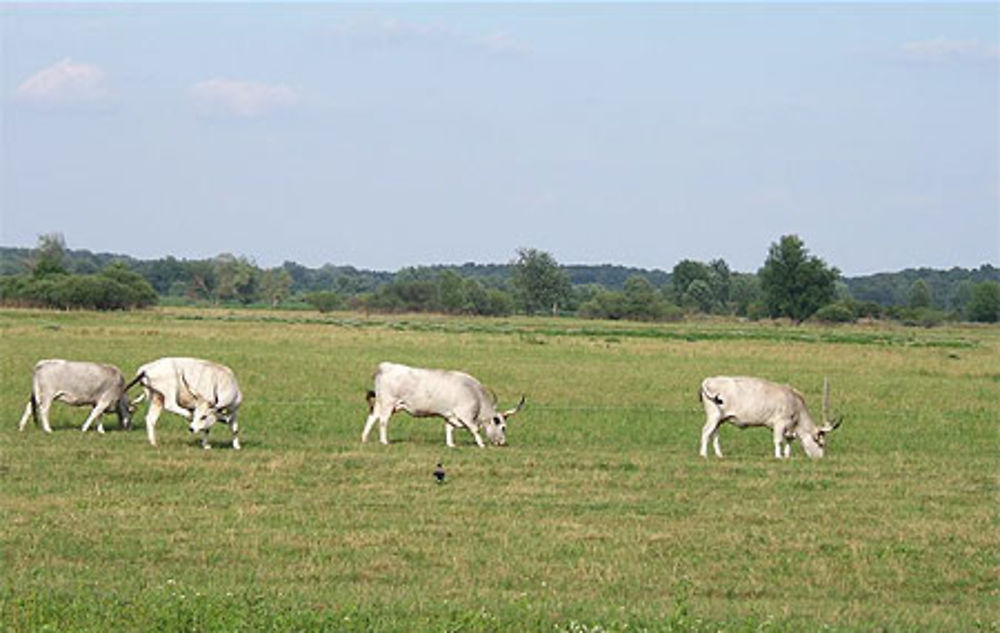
(985, 303)
(795, 284)
(237, 278)
(538, 281)
(685, 272)
(275, 284)
(719, 280)
(919, 295)
(49, 255)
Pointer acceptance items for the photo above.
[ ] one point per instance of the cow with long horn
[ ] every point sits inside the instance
(201, 391)
(744, 402)
(77, 383)
(457, 397)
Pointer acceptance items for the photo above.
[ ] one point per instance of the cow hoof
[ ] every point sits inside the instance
(236, 445)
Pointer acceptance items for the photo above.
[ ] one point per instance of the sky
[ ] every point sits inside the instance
(392, 135)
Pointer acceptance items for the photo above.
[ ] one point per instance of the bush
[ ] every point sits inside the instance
(920, 317)
(324, 301)
(115, 289)
(985, 303)
(834, 313)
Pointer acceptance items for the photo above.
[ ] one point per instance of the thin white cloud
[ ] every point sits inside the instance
(66, 83)
(241, 98)
(943, 49)
(393, 31)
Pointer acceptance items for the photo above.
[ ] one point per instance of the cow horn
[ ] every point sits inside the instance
(132, 382)
(511, 412)
(826, 400)
(189, 389)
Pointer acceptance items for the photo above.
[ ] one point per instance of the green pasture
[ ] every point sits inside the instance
(600, 516)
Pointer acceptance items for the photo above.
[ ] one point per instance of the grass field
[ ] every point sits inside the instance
(599, 516)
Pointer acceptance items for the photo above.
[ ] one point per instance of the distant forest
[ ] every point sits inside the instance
(602, 291)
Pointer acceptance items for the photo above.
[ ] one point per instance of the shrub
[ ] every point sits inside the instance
(834, 313)
(920, 317)
(324, 301)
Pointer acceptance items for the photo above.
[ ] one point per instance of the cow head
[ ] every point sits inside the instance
(815, 442)
(125, 410)
(826, 429)
(203, 416)
(496, 428)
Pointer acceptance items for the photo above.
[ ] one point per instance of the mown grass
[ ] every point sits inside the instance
(599, 516)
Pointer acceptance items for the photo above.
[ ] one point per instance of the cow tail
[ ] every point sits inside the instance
(702, 395)
(370, 397)
(34, 407)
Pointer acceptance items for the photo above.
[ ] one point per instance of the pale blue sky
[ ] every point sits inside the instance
(392, 135)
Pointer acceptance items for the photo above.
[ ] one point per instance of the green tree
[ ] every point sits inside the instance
(50, 254)
(744, 290)
(202, 280)
(538, 282)
(641, 299)
(720, 281)
(324, 300)
(685, 272)
(962, 296)
(985, 303)
(699, 295)
(795, 284)
(237, 278)
(139, 292)
(450, 292)
(919, 295)
(275, 284)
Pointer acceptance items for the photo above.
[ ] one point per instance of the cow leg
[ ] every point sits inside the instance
(95, 413)
(383, 429)
(779, 441)
(43, 413)
(171, 405)
(710, 431)
(381, 414)
(24, 418)
(369, 423)
(234, 426)
(475, 433)
(152, 415)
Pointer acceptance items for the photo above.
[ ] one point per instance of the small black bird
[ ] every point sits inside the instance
(439, 474)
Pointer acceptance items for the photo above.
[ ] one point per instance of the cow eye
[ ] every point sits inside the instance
(497, 421)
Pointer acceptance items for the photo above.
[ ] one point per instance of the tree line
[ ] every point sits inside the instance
(792, 283)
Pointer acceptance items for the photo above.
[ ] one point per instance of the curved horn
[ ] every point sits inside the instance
(826, 400)
(831, 427)
(189, 389)
(132, 382)
(511, 412)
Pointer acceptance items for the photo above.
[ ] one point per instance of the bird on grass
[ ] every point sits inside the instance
(439, 473)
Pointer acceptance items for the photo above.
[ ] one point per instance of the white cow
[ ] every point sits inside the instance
(744, 402)
(200, 390)
(453, 395)
(77, 384)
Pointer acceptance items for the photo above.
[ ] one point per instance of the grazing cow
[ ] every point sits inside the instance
(201, 391)
(747, 402)
(77, 384)
(453, 395)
